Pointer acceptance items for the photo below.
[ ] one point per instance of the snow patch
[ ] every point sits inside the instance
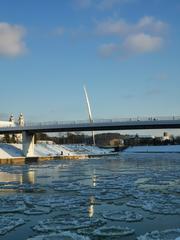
(153, 149)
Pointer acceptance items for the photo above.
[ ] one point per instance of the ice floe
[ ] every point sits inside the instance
(11, 206)
(158, 207)
(8, 223)
(67, 222)
(113, 231)
(60, 236)
(37, 211)
(108, 196)
(127, 216)
(170, 234)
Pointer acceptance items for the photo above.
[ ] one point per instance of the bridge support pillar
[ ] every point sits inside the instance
(28, 144)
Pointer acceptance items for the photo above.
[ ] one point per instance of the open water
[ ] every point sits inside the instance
(117, 197)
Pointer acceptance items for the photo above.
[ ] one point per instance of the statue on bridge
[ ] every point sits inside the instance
(11, 118)
(21, 124)
(21, 120)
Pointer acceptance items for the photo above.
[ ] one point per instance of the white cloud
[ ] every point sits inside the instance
(142, 43)
(147, 24)
(112, 27)
(59, 31)
(11, 40)
(108, 4)
(107, 50)
(83, 4)
(99, 4)
(145, 36)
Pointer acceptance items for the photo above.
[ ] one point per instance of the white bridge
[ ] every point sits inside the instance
(30, 129)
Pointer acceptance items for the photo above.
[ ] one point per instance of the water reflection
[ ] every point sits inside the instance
(24, 177)
(94, 181)
(91, 210)
(9, 177)
(91, 206)
(28, 177)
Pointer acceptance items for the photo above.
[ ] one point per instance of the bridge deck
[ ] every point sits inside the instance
(96, 126)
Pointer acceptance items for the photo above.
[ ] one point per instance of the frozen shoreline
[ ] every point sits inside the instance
(9, 151)
(153, 149)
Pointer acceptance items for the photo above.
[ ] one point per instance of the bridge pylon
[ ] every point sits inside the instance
(28, 144)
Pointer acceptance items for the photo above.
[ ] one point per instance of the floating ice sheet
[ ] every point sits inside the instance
(170, 234)
(10, 206)
(60, 236)
(113, 231)
(108, 196)
(66, 187)
(55, 201)
(127, 216)
(37, 211)
(67, 222)
(161, 208)
(158, 204)
(8, 223)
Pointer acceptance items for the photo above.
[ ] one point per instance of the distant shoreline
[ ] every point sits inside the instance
(153, 149)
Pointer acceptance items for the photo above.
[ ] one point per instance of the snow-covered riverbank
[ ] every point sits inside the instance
(45, 150)
(154, 149)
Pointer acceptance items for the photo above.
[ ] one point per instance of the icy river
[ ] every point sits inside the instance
(130, 196)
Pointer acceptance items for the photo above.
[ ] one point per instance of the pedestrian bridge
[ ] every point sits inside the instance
(96, 125)
(29, 129)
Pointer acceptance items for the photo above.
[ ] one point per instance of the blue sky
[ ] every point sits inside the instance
(126, 52)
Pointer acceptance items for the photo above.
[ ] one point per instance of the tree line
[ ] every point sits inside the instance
(102, 139)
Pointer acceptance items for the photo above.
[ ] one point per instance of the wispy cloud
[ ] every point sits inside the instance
(129, 96)
(74, 34)
(121, 38)
(100, 4)
(107, 50)
(145, 36)
(153, 92)
(11, 40)
(142, 43)
(162, 76)
(112, 27)
(59, 31)
(151, 24)
(82, 4)
(119, 27)
(109, 4)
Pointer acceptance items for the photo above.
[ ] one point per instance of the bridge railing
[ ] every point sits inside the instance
(125, 119)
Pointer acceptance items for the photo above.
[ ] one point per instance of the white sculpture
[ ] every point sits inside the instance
(11, 118)
(21, 120)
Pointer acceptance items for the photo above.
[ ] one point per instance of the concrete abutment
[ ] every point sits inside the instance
(28, 144)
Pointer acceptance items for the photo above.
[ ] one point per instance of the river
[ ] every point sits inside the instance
(92, 198)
